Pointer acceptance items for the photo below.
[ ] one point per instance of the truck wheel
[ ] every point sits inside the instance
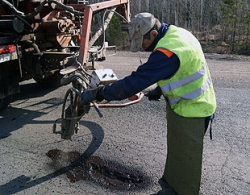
(52, 81)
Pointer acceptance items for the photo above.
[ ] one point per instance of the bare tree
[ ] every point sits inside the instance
(203, 16)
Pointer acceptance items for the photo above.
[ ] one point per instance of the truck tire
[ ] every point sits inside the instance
(52, 81)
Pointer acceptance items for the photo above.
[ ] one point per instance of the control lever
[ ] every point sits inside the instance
(95, 105)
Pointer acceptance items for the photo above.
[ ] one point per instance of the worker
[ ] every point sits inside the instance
(178, 66)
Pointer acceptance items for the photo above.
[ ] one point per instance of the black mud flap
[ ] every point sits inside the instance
(9, 86)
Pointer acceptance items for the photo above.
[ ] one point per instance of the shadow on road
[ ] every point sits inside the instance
(27, 91)
(25, 182)
(97, 137)
(32, 90)
(20, 113)
(13, 118)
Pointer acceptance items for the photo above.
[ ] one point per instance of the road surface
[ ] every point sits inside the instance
(130, 141)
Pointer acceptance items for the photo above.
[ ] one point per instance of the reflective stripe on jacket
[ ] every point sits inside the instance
(190, 91)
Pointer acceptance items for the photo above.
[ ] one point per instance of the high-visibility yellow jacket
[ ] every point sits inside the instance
(190, 91)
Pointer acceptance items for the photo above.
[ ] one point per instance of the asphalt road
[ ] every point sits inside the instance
(131, 138)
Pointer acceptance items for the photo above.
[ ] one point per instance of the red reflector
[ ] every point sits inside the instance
(12, 48)
(7, 49)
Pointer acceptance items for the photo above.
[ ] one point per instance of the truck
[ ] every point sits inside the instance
(52, 41)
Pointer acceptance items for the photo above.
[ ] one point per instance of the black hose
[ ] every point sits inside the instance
(17, 13)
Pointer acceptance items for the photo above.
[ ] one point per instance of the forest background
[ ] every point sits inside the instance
(221, 26)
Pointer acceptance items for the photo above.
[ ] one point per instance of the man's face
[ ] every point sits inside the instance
(147, 42)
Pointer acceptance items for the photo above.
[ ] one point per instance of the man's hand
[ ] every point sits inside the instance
(154, 95)
(88, 95)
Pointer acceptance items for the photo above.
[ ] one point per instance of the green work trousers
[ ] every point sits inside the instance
(184, 153)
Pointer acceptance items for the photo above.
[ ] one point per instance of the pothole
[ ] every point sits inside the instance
(109, 174)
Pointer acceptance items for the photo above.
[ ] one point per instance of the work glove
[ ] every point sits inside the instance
(154, 94)
(88, 95)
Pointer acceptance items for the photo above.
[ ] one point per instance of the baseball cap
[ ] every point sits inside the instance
(138, 27)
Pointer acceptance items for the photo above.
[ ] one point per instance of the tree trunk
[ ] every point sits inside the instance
(176, 21)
